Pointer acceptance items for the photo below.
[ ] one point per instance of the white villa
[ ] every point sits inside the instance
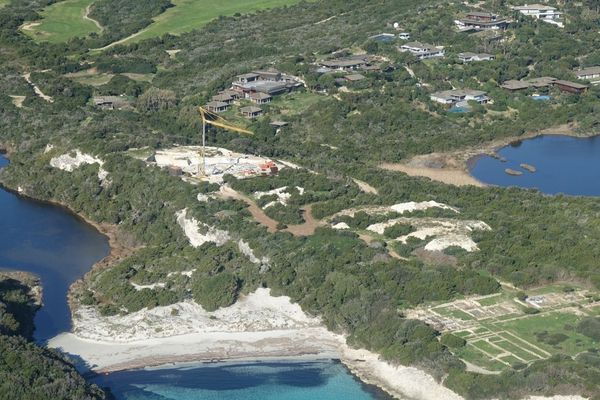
(591, 74)
(460, 95)
(540, 11)
(470, 57)
(423, 50)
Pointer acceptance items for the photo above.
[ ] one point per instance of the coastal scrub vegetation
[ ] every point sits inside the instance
(28, 371)
(357, 288)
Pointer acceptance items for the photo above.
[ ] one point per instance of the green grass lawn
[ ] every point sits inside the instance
(487, 347)
(472, 355)
(295, 103)
(450, 312)
(188, 15)
(552, 323)
(63, 21)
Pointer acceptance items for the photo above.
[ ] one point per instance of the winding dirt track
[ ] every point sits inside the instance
(86, 16)
(306, 229)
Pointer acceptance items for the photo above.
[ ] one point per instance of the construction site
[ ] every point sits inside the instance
(211, 164)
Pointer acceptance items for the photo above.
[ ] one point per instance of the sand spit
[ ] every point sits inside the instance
(451, 176)
(453, 167)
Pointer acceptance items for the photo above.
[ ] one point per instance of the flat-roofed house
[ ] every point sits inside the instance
(249, 77)
(251, 111)
(570, 87)
(514, 85)
(344, 65)
(479, 20)
(470, 57)
(541, 82)
(354, 77)
(260, 98)
(542, 12)
(423, 50)
(268, 75)
(460, 95)
(270, 81)
(591, 74)
(216, 106)
(111, 102)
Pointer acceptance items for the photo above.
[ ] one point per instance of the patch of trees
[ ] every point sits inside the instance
(31, 372)
(28, 371)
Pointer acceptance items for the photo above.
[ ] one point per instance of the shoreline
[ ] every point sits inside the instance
(398, 381)
(453, 168)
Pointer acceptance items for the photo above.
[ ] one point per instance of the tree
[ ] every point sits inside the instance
(155, 99)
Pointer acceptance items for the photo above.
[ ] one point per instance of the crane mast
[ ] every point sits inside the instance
(210, 118)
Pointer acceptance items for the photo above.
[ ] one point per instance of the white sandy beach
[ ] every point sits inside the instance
(259, 326)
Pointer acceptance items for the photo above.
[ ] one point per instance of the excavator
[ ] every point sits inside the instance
(211, 118)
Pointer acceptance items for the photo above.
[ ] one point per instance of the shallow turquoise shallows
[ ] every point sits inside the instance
(563, 164)
(297, 380)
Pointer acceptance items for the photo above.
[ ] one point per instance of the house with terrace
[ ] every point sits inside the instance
(350, 63)
(423, 50)
(480, 21)
(471, 57)
(456, 96)
(270, 81)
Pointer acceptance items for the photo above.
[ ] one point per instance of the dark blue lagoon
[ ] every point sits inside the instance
(297, 380)
(58, 247)
(52, 243)
(562, 164)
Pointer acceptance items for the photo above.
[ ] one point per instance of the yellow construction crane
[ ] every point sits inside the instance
(214, 119)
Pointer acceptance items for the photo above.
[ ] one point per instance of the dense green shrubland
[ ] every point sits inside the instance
(356, 288)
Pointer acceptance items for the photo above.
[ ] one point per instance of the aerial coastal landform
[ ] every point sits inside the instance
(282, 199)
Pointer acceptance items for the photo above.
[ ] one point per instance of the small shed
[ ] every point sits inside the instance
(354, 77)
(278, 124)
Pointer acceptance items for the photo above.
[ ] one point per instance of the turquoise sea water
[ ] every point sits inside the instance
(564, 164)
(297, 380)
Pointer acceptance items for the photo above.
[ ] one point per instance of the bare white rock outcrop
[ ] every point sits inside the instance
(71, 161)
(193, 230)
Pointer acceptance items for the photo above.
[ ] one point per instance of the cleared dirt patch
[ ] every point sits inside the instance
(18, 100)
(305, 229)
